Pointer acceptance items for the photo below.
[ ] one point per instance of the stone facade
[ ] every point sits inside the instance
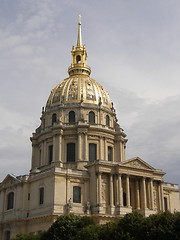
(79, 164)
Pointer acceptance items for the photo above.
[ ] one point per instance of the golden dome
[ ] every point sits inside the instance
(79, 87)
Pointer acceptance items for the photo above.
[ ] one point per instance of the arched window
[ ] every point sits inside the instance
(91, 117)
(78, 58)
(107, 120)
(71, 117)
(92, 152)
(7, 235)
(110, 153)
(54, 118)
(41, 195)
(71, 152)
(10, 201)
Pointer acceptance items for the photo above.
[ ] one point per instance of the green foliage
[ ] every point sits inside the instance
(164, 226)
(29, 236)
(67, 227)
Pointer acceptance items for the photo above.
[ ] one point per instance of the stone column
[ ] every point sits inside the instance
(162, 196)
(44, 153)
(105, 149)
(79, 147)
(60, 148)
(85, 147)
(119, 190)
(127, 191)
(137, 195)
(54, 148)
(99, 188)
(111, 190)
(101, 148)
(151, 194)
(144, 193)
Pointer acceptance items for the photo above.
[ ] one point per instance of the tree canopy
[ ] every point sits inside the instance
(163, 226)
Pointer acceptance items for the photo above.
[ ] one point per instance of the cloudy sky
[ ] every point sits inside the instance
(134, 52)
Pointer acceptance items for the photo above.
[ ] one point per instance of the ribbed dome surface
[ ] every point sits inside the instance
(78, 89)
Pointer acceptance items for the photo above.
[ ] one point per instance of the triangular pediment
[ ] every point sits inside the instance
(137, 163)
(9, 181)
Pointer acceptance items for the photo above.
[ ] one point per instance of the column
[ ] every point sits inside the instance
(162, 196)
(54, 148)
(137, 195)
(79, 147)
(144, 193)
(151, 194)
(159, 196)
(99, 188)
(101, 148)
(85, 147)
(44, 153)
(111, 190)
(119, 190)
(105, 149)
(127, 191)
(60, 148)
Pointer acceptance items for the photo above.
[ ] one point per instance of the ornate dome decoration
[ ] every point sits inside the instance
(79, 87)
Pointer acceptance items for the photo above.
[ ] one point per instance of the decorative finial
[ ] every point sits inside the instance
(79, 40)
(80, 18)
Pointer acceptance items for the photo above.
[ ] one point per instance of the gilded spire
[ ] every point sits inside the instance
(79, 40)
(79, 57)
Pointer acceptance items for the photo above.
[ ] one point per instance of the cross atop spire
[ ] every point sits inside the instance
(79, 39)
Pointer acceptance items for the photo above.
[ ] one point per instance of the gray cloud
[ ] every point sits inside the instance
(134, 52)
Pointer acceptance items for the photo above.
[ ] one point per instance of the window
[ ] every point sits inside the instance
(76, 194)
(7, 235)
(72, 117)
(41, 196)
(91, 117)
(110, 153)
(50, 153)
(107, 120)
(54, 118)
(29, 196)
(71, 152)
(165, 204)
(92, 152)
(10, 201)
(78, 59)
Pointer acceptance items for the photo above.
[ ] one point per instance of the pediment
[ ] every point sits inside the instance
(137, 163)
(9, 181)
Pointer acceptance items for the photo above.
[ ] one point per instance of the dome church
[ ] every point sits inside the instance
(79, 162)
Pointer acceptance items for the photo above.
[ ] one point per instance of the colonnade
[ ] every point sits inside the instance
(131, 191)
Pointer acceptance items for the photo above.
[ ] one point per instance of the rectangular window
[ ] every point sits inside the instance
(41, 196)
(71, 152)
(50, 153)
(92, 152)
(110, 154)
(28, 196)
(76, 194)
